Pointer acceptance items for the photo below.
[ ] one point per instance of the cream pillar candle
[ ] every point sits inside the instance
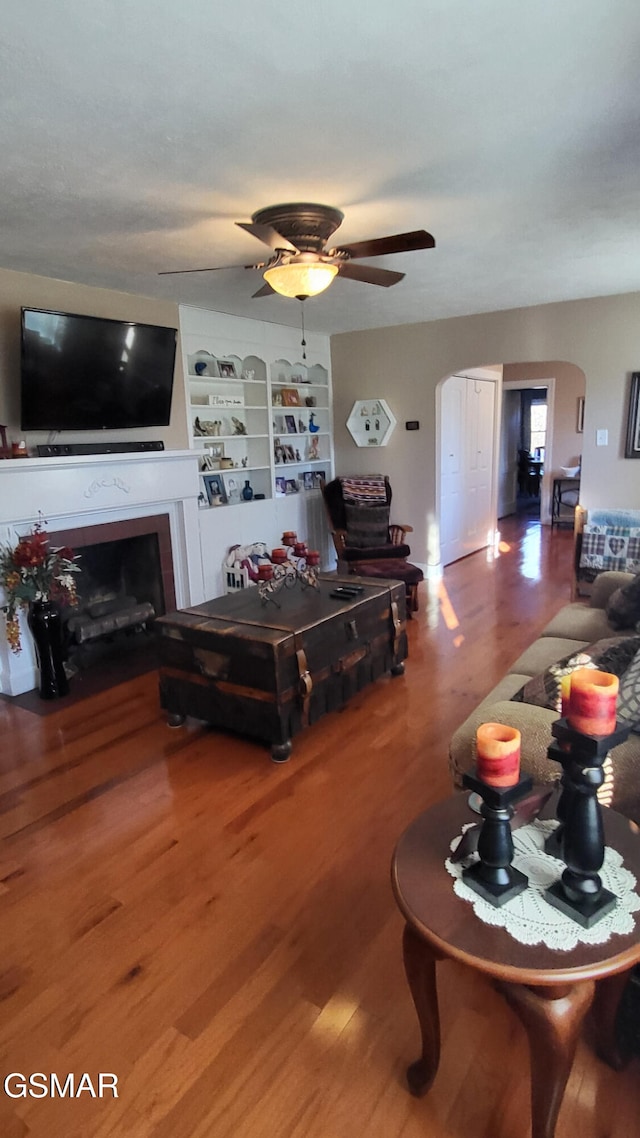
(498, 754)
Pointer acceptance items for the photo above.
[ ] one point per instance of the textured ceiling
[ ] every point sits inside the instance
(133, 133)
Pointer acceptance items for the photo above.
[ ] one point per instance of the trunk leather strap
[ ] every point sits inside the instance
(397, 627)
(305, 683)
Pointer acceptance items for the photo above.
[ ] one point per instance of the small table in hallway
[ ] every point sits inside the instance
(550, 991)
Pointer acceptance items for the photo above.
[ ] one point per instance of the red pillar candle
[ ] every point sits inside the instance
(498, 754)
(289, 537)
(313, 557)
(592, 702)
(300, 548)
(279, 555)
(265, 571)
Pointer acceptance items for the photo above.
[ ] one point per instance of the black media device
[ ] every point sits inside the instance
(87, 373)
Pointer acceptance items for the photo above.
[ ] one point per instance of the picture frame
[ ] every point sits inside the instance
(308, 480)
(289, 453)
(632, 446)
(281, 487)
(290, 397)
(227, 369)
(319, 476)
(210, 463)
(290, 422)
(215, 489)
(580, 421)
(231, 488)
(215, 450)
(291, 486)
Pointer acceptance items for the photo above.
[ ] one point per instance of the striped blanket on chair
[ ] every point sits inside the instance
(369, 491)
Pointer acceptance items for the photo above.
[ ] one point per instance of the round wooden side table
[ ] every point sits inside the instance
(551, 991)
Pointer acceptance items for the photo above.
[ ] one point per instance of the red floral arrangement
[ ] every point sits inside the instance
(34, 571)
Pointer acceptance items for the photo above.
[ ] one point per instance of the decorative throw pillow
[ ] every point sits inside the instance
(367, 525)
(629, 695)
(623, 606)
(611, 655)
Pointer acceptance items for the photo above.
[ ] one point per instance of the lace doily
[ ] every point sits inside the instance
(529, 918)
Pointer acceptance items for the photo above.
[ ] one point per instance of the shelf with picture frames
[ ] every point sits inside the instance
(237, 405)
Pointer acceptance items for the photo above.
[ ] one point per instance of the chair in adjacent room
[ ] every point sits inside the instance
(366, 542)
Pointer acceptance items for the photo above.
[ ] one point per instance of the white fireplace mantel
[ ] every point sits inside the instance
(79, 490)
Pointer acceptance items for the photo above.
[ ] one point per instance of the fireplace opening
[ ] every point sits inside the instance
(126, 581)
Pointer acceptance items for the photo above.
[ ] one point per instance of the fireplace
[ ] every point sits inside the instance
(95, 503)
(126, 580)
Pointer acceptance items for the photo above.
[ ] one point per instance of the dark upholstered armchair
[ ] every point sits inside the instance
(366, 542)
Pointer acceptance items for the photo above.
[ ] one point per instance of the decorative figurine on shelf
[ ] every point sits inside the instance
(238, 426)
(301, 427)
(313, 426)
(244, 461)
(207, 427)
(314, 449)
(247, 491)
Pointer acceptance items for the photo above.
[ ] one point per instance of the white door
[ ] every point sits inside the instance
(467, 426)
(479, 440)
(452, 468)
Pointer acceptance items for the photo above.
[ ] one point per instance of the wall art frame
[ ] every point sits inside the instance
(632, 447)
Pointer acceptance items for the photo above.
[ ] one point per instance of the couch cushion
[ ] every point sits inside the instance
(623, 606)
(545, 651)
(506, 689)
(611, 655)
(534, 725)
(579, 622)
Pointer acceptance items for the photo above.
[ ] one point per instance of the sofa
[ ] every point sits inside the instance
(582, 630)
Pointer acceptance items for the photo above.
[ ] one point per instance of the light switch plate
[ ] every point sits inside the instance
(602, 438)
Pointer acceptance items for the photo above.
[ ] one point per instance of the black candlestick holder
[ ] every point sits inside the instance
(494, 877)
(579, 839)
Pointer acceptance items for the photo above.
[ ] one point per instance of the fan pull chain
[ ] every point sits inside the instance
(303, 342)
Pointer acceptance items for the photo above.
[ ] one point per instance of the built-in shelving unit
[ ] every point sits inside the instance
(264, 423)
(241, 369)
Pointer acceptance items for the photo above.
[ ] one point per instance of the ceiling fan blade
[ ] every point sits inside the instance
(369, 274)
(215, 269)
(399, 243)
(268, 235)
(266, 290)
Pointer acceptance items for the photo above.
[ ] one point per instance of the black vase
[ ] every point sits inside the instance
(247, 492)
(45, 623)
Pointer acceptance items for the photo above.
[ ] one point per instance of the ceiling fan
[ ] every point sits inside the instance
(301, 265)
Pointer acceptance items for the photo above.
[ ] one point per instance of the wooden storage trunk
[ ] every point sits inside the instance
(267, 672)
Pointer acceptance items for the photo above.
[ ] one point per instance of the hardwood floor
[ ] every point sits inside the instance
(219, 931)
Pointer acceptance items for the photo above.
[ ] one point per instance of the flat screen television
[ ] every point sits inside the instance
(86, 373)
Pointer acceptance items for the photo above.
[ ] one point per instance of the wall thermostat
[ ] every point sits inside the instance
(412, 425)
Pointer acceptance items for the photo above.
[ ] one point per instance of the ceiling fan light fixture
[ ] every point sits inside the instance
(298, 280)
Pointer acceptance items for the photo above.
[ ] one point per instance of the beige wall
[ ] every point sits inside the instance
(30, 291)
(404, 365)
